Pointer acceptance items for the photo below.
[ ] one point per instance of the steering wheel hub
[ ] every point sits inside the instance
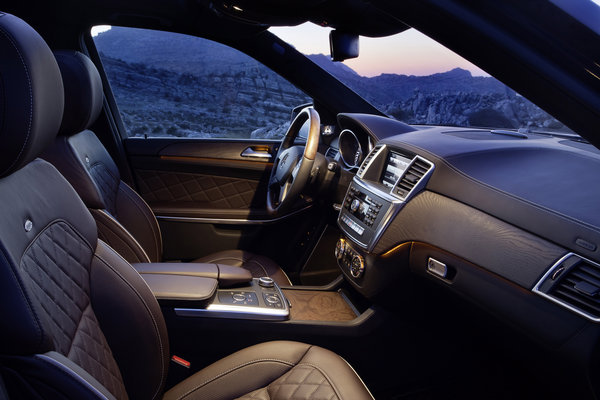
(293, 164)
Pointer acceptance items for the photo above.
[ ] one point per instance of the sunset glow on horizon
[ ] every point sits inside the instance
(407, 53)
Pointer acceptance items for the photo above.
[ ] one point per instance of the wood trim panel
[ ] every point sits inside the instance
(313, 305)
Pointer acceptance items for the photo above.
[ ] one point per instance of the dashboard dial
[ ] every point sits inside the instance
(350, 149)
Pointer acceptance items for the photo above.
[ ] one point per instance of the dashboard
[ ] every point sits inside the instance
(511, 223)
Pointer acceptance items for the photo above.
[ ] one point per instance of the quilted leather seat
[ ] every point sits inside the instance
(77, 321)
(124, 220)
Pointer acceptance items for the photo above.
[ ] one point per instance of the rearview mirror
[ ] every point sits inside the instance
(343, 45)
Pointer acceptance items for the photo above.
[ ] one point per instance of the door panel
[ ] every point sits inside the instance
(209, 179)
(208, 197)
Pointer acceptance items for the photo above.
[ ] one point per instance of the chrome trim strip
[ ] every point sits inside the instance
(362, 169)
(250, 152)
(232, 221)
(236, 312)
(536, 288)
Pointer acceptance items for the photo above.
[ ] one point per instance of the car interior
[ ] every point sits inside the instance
(326, 246)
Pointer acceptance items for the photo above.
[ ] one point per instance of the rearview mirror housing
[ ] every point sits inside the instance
(343, 45)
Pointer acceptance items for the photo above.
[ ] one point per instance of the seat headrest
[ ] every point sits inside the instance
(83, 91)
(31, 94)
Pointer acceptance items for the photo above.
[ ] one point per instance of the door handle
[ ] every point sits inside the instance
(252, 153)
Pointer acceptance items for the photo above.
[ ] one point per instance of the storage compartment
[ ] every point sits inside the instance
(181, 291)
(227, 275)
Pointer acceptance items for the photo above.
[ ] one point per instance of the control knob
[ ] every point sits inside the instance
(340, 249)
(357, 267)
(354, 205)
(266, 281)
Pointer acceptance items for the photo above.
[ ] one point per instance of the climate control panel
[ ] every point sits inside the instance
(349, 259)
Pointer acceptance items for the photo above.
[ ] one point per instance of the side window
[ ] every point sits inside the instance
(173, 85)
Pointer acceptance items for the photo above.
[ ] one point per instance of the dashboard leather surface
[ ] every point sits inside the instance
(541, 184)
(473, 235)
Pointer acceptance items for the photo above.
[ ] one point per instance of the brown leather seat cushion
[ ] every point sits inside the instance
(274, 371)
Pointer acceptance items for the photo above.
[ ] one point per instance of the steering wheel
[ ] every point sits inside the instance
(293, 164)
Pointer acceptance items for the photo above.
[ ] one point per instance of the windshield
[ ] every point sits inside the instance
(416, 80)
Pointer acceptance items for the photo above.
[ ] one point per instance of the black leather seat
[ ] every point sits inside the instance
(77, 321)
(124, 219)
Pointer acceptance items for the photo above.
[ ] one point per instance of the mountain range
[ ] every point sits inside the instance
(177, 85)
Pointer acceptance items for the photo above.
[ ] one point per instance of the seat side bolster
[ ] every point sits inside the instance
(137, 217)
(132, 322)
(119, 238)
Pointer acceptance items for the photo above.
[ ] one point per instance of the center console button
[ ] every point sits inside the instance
(272, 298)
(239, 297)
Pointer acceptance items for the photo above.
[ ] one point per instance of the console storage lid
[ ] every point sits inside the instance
(226, 275)
(181, 290)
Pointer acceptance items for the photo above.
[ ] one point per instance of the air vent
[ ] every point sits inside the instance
(368, 160)
(411, 177)
(573, 282)
(332, 153)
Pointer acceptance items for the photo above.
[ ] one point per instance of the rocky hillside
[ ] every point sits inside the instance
(217, 92)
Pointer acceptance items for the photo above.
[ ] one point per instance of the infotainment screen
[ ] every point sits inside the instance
(394, 168)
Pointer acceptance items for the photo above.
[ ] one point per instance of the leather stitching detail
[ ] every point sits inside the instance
(90, 350)
(222, 374)
(337, 393)
(156, 330)
(66, 371)
(53, 287)
(57, 264)
(218, 191)
(11, 40)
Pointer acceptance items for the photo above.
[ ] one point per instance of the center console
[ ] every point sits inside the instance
(386, 180)
(260, 299)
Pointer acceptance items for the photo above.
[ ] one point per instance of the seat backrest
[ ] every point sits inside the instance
(124, 219)
(76, 320)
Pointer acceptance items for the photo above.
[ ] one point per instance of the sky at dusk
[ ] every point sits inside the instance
(408, 53)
